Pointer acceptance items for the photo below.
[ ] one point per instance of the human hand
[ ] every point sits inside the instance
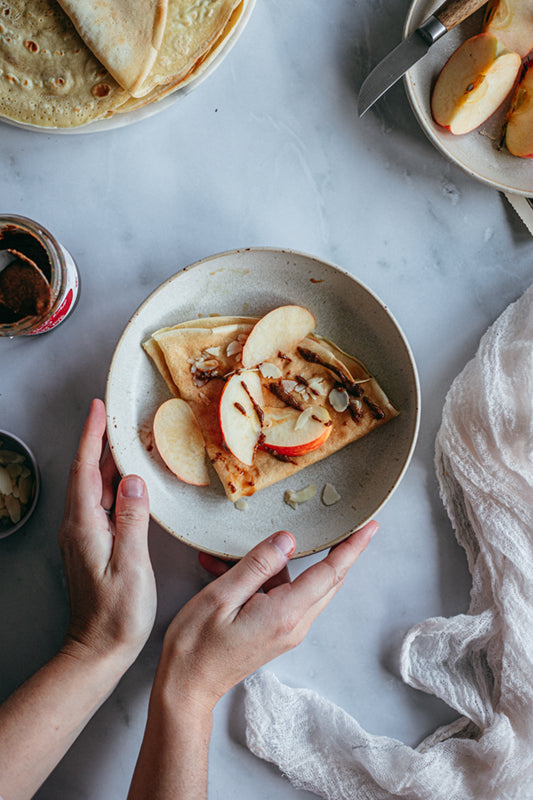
(230, 629)
(105, 553)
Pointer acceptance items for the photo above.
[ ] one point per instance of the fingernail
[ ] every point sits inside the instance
(284, 542)
(372, 528)
(132, 486)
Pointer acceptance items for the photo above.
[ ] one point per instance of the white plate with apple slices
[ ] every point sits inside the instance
(252, 282)
(480, 152)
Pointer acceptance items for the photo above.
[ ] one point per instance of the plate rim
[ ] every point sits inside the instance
(291, 252)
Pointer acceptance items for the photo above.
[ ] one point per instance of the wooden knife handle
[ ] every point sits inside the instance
(452, 12)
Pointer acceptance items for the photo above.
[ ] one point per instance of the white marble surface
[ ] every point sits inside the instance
(269, 151)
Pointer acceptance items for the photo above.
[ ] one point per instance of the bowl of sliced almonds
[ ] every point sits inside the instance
(19, 483)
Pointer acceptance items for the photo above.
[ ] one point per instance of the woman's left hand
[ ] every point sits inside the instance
(104, 545)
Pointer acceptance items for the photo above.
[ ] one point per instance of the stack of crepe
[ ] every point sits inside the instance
(68, 63)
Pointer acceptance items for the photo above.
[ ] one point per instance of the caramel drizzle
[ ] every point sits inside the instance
(257, 408)
(284, 396)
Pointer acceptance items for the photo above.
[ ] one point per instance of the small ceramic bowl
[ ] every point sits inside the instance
(19, 483)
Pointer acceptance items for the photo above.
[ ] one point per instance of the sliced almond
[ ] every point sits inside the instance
(295, 497)
(234, 348)
(6, 484)
(330, 495)
(213, 351)
(14, 470)
(317, 386)
(241, 505)
(9, 457)
(269, 370)
(13, 507)
(288, 385)
(303, 418)
(25, 487)
(339, 399)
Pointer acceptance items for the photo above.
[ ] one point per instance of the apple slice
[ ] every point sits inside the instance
(290, 432)
(240, 414)
(519, 125)
(511, 21)
(278, 331)
(473, 83)
(180, 442)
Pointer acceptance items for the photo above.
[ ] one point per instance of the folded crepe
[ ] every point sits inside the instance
(195, 358)
(125, 35)
(159, 91)
(48, 76)
(192, 28)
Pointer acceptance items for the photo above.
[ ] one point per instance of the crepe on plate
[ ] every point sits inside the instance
(125, 35)
(197, 358)
(84, 60)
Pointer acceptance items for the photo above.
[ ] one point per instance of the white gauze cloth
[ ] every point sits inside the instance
(481, 662)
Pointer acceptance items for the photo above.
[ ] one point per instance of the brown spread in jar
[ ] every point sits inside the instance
(25, 281)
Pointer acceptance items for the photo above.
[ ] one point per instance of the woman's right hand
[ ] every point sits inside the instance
(230, 628)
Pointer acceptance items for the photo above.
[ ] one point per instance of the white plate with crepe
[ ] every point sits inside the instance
(136, 108)
(251, 282)
(478, 153)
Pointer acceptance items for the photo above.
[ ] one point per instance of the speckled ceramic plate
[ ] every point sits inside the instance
(119, 120)
(252, 282)
(478, 153)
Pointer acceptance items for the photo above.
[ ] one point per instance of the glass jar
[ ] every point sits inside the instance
(28, 241)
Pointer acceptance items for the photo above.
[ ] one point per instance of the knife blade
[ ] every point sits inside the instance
(412, 49)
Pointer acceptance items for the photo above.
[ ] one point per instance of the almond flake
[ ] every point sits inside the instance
(269, 370)
(25, 488)
(6, 485)
(303, 418)
(330, 495)
(241, 504)
(294, 498)
(213, 351)
(300, 388)
(339, 399)
(234, 348)
(13, 507)
(288, 385)
(317, 386)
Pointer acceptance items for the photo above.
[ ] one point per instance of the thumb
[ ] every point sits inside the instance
(257, 567)
(132, 515)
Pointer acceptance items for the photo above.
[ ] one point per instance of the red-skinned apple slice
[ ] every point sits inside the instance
(180, 442)
(519, 125)
(289, 432)
(511, 21)
(240, 414)
(278, 331)
(473, 83)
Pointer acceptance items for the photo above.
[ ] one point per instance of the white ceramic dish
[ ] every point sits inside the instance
(118, 120)
(251, 282)
(478, 153)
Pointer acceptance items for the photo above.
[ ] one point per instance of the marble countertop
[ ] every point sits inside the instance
(269, 151)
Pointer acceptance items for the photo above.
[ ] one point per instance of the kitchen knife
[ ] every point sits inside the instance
(412, 49)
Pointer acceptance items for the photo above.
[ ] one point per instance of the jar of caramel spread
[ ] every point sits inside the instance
(39, 281)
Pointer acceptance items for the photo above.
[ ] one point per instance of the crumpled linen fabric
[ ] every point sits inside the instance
(480, 662)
